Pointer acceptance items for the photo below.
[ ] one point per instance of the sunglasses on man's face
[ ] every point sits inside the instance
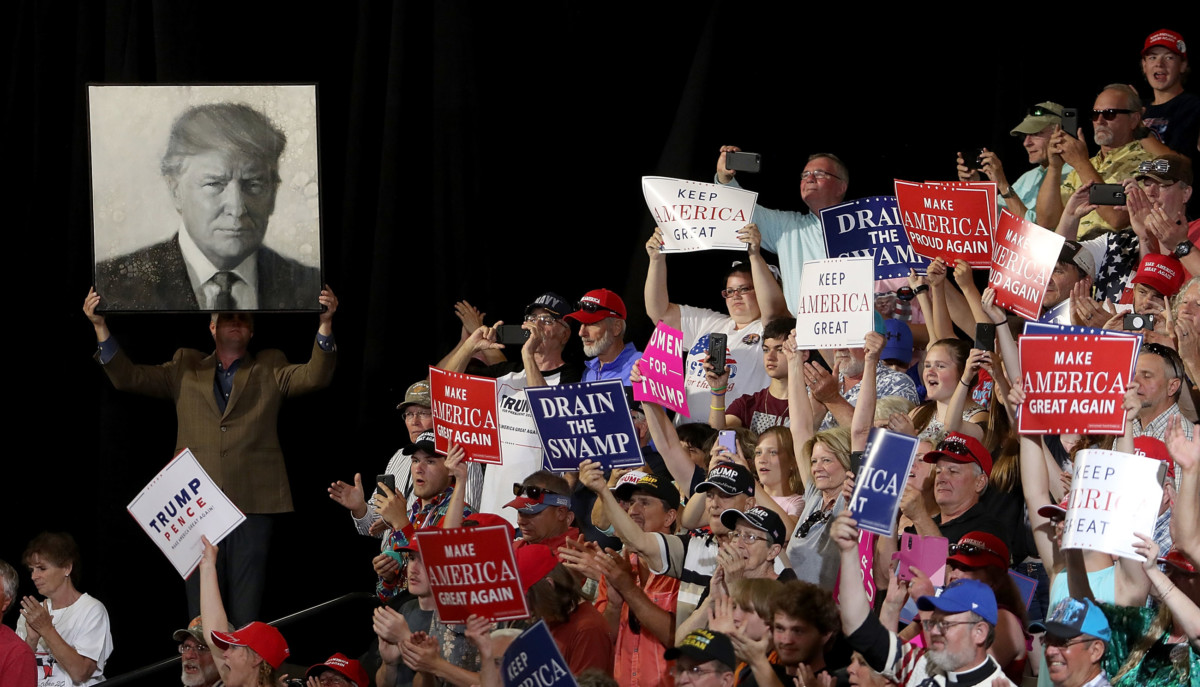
(1109, 114)
(529, 492)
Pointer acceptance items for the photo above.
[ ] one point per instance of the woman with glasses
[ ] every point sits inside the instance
(69, 630)
(752, 297)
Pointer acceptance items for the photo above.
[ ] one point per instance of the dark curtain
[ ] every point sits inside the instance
(487, 151)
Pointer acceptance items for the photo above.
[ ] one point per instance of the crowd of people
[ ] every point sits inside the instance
(730, 556)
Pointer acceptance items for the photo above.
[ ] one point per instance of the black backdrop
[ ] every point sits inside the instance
(481, 150)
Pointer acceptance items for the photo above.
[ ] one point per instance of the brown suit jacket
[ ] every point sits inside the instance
(240, 447)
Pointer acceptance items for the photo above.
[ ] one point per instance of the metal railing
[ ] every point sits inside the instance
(133, 677)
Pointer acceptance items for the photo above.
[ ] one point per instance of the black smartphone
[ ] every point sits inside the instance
(855, 461)
(973, 158)
(1070, 121)
(1134, 322)
(388, 480)
(985, 336)
(1107, 194)
(743, 162)
(512, 334)
(716, 351)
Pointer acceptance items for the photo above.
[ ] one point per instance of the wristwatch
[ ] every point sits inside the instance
(1183, 249)
(920, 289)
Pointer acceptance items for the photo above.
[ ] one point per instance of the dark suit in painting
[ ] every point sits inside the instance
(156, 278)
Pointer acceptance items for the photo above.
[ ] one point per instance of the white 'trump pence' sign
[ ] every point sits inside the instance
(180, 504)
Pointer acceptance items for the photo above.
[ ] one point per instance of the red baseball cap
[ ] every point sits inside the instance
(962, 448)
(1163, 273)
(265, 640)
(1171, 40)
(346, 667)
(1056, 511)
(534, 561)
(1150, 447)
(979, 550)
(597, 305)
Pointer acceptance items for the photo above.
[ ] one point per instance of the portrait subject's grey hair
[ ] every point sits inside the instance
(8, 576)
(231, 127)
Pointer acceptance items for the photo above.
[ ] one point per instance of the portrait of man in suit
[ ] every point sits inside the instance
(221, 172)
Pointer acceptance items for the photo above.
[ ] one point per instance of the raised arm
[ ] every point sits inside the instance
(98, 323)
(483, 338)
(800, 415)
(658, 302)
(329, 301)
(864, 408)
(852, 598)
(964, 276)
(938, 314)
(1036, 487)
(1049, 200)
(666, 439)
(212, 609)
(1075, 153)
(644, 544)
(767, 291)
(1183, 610)
(1186, 511)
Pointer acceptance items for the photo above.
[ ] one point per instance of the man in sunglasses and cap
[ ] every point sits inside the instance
(1077, 635)
(959, 625)
(1019, 198)
(1116, 120)
(602, 327)
(543, 506)
(962, 466)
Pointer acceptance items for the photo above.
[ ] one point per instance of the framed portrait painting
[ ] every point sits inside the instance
(205, 197)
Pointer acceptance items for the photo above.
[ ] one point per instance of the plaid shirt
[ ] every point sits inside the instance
(420, 517)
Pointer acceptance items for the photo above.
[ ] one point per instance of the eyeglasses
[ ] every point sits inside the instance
(542, 319)
(748, 537)
(1063, 643)
(736, 291)
(195, 648)
(818, 174)
(970, 549)
(1109, 114)
(590, 307)
(817, 516)
(1039, 111)
(941, 625)
(416, 414)
(695, 671)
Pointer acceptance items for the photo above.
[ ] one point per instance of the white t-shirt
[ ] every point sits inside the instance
(84, 626)
(743, 357)
(520, 447)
